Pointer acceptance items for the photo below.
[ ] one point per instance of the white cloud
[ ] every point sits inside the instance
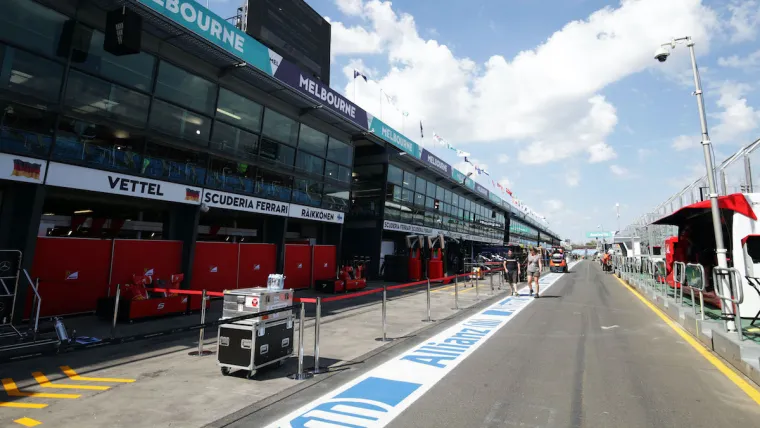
(552, 206)
(644, 153)
(503, 159)
(684, 142)
(506, 182)
(353, 41)
(737, 118)
(748, 62)
(573, 178)
(618, 170)
(744, 20)
(350, 7)
(552, 114)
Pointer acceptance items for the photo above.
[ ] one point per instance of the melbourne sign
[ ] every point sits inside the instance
(436, 162)
(482, 190)
(385, 132)
(75, 177)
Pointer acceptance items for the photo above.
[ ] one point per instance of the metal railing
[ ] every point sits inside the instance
(735, 296)
(679, 277)
(7, 273)
(34, 322)
(696, 280)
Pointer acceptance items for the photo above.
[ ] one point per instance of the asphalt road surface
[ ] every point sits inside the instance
(587, 354)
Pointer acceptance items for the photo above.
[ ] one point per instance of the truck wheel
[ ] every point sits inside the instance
(225, 371)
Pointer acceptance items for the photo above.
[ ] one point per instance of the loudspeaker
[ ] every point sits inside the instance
(76, 38)
(123, 32)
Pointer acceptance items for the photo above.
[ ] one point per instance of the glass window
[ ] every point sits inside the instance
(335, 198)
(29, 74)
(340, 152)
(447, 195)
(431, 189)
(25, 130)
(98, 146)
(280, 153)
(31, 25)
(234, 141)
(409, 180)
(239, 111)
(419, 199)
(439, 193)
(131, 70)
(271, 185)
(307, 192)
(312, 141)
(188, 90)
(429, 203)
(395, 175)
(421, 185)
(167, 163)
(94, 97)
(231, 176)
(310, 163)
(407, 196)
(337, 172)
(280, 128)
(179, 122)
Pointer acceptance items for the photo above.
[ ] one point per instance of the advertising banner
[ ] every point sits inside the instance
(482, 190)
(436, 162)
(385, 132)
(601, 235)
(210, 26)
(231, 201)
(316, 214)
(291, 75)
(76, 177)
(21, 168)
(429, 231)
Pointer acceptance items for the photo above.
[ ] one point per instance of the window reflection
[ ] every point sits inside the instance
(280, 128)
(90, 96)
(395, 175)
(335, 198)
(178, 122)
(234, 141)
(310, 163)
(188, 90)
(271, 185)
(31, 25)
(131, 70)
(340, 152)
(231, 176)
(25, 130)
(167, 163)
(239, 111)
(280, 153)
(307, 192)
(31, 75)
(312, 141)
(98, 146)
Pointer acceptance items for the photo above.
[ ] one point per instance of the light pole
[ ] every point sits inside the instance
(617, 210)
(662, 55)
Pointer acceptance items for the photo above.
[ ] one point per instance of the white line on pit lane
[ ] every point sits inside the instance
(375, 398)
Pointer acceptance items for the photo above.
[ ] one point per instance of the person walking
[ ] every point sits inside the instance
(512, 271)
(535, 266)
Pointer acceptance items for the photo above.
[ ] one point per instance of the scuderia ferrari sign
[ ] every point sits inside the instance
(316, 214)
(231, 201)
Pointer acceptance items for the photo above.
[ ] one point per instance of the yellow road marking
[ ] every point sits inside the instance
(723, 368)
(74, 376)
(28, 422)
(23, 405)
(12, 390)
(45, 383)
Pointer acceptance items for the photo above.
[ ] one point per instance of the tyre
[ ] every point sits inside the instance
(225, 371)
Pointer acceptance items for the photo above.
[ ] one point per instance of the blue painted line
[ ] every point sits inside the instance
(498, 313)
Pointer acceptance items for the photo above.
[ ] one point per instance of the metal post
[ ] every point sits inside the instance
(429, 319)
(317, 320)
(477, 290)
(456, 292)
(115, 309)
(491, 283)
(706, 148)
(301, 375)
(384, 311)
(202, 332)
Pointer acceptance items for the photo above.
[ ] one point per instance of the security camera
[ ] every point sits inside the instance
(204, 208)
(661, 54)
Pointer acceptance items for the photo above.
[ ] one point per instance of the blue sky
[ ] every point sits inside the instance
(560, 100)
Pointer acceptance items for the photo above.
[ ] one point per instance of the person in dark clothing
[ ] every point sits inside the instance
(512, 271)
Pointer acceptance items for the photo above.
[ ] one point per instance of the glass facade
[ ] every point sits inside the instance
(522, 233)
(413, 200)
(143, 115)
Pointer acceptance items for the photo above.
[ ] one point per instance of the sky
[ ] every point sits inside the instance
(561, 101)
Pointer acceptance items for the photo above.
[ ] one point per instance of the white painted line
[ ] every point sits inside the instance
(375, 398)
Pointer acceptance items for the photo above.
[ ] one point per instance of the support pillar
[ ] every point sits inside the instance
(274, 233)
(182, 225)
(20, 214)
